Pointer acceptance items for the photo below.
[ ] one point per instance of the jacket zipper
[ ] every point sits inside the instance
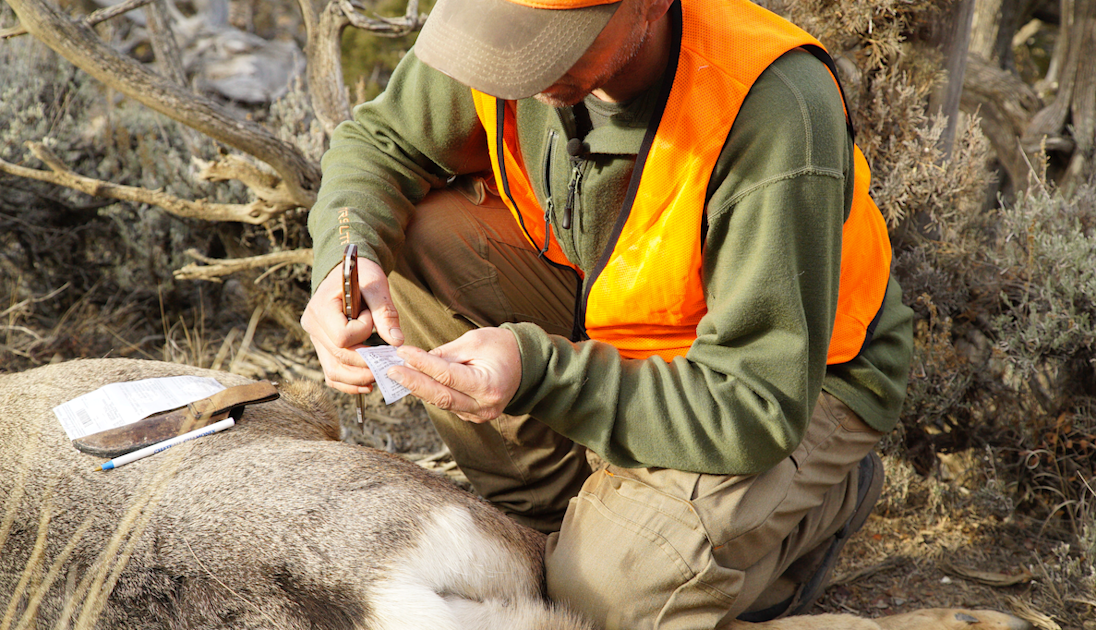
(549, 204)
(572, 191)
(579, 332)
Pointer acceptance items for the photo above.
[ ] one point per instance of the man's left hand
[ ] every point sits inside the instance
(474, 376)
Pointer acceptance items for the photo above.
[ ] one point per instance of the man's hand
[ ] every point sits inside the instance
(335, 338)
(474, 376)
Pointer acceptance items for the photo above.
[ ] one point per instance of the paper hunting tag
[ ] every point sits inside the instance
(119, 404)
(380, 358)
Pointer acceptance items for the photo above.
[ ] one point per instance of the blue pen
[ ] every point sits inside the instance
(166, 444)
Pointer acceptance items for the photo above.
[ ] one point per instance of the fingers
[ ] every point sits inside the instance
(334, 337)
(325, 320)
(444, 372)
(341, 376)
(474, 376)
(380, 311)
(430, 379)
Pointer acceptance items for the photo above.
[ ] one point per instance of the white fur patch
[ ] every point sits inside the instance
(442, 581)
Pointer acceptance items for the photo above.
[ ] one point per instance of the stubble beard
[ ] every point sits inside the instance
(571, 94)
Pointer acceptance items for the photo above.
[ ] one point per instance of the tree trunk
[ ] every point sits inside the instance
(955, 43)
(1006, 105)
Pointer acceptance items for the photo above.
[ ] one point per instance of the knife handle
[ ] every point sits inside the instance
(352, 297)
(352, 302)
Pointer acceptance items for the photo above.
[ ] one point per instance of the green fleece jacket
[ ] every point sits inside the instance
(740, 400)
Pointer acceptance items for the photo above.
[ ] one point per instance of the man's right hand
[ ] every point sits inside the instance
(336, 338)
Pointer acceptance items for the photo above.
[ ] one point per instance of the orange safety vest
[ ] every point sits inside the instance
(646, 295)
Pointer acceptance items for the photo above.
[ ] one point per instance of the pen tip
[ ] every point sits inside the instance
(98, 467)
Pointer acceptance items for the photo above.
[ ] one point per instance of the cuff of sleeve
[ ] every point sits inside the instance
(535, 348)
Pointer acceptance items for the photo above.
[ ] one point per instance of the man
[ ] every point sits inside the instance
(640, 228)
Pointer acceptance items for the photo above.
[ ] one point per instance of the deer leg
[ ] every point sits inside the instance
(953, 619)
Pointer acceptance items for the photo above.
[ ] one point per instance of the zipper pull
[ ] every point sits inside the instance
(575, 149)
(547, 228)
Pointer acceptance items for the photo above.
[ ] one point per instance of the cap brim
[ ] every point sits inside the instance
(504, 49)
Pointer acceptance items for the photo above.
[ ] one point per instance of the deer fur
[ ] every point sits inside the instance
(272, 524)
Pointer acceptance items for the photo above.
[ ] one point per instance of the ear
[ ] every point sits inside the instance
(656, 9)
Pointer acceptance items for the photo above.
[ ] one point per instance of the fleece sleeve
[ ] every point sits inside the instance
(420, 132)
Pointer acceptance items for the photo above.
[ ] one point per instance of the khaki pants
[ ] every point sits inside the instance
(630, 548)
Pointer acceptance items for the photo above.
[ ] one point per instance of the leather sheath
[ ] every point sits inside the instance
(168, 424)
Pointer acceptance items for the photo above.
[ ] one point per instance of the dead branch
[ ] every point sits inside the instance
(955, 45)
(324, 29)
(266, 185)
(406, 24)
(1075, 102)
(77, 43)
(330, 101)
(164, 46)
(93, 18)
(255, 212)
(16, 308)
(1005, 105)
(213, 269)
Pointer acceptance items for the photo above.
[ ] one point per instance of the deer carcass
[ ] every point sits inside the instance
(272, 524)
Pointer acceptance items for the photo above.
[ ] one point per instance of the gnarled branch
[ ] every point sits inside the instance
(1005, 105)
(254, 212)
(324, 26)
(101, 15)
(77, 43)
(406, 24)
(325, 82)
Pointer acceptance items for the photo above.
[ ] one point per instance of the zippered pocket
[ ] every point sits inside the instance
(548, 202)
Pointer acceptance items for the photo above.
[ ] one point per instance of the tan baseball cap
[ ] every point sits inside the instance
(510, 49)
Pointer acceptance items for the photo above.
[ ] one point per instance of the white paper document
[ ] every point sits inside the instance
(380, 358)
(119, 404)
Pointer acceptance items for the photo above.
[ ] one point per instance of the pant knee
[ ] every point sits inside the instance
(630, 563)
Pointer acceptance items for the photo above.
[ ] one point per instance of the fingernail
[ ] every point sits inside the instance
(394, 375)
(396, 334)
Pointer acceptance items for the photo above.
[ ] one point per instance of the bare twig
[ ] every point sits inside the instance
(256, 317)
(266, 186)
(864, 572)
(226, 345)
(93, 18)
(433, 457)
(164, 46)
(330, 101)
(255, 212)
(214, 269)
(1028, 612)
(409, 22)
(382, 418)
(324, 27)
(33, 300)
